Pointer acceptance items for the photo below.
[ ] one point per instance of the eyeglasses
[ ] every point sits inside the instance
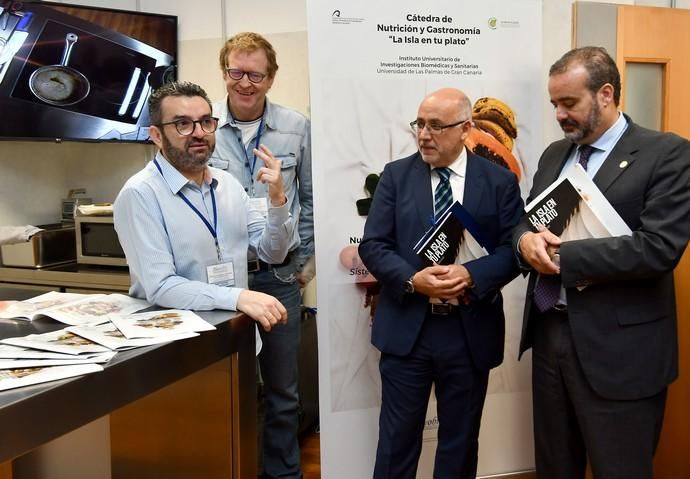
(237, 74)
(186, 126)
(433, 128)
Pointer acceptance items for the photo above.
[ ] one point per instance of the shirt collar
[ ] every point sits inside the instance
(176, 180)
(225, 117)
(459, 166)
(610, 137)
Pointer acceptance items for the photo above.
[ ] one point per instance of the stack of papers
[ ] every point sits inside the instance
(21, 366)
(100, 325)
(72, 309)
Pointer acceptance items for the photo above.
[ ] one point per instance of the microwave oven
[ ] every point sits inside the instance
(97, 241)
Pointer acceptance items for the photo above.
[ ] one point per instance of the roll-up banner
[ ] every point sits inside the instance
(371, 64)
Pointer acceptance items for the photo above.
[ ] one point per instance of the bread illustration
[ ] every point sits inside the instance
(484, 144)
(493, 110)
(494, 132)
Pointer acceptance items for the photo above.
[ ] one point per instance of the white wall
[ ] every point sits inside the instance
(35, 176)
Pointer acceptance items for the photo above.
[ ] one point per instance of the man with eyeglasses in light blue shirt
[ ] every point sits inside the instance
(248, 120)
(186, 228)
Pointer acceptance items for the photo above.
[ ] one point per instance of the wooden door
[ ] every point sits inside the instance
(662, 36)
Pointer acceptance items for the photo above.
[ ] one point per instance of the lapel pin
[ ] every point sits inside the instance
(622, 164)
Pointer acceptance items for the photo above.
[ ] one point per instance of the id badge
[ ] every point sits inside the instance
(221, 274)
(260, 205)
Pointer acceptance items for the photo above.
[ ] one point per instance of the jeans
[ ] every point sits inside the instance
(278, 362)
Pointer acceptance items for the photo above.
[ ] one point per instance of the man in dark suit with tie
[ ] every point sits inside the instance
(605, 350)
(454, 342)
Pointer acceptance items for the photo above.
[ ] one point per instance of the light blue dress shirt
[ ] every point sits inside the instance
(287, 134)
(603, 147)
(169, 248)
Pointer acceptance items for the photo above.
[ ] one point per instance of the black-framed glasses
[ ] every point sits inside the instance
(186, 126)
(237, 74)
(433, 128)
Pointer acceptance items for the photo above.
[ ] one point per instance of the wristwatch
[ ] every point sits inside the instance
(409, 285)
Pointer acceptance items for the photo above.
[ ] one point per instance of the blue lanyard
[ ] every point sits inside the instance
(211, 229)
(257, 142)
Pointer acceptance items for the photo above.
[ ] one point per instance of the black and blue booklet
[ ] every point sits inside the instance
(456, 237)
(573, 208)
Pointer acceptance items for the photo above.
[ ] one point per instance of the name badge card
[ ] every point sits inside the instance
(221, 274)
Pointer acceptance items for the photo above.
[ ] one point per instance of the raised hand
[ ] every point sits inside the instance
(270, 175)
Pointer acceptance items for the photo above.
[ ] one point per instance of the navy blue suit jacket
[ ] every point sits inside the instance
(401, 212)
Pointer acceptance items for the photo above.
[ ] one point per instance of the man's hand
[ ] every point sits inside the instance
(308, 272)
(270, 175)
(304, 278)
(262, 308)
(443, 281)
(538, 250)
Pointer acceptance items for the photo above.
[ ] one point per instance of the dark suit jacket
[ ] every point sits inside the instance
(401, 212)
(624, 322)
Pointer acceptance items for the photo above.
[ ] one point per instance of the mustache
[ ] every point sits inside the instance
(198, 143)
(569, 122)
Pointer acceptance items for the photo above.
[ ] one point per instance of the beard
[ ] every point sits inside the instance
(583, 131)
(182, 159)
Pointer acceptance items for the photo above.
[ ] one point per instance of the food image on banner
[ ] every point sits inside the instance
(371, 64)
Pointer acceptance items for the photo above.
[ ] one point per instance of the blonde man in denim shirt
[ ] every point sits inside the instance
(246, 120)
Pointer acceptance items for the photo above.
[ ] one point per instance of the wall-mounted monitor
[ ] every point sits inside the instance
(70, 72)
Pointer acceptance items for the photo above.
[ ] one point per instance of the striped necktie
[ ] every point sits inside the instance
(443, 196)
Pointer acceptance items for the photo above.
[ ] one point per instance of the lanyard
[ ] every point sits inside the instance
(257, 142)
(211, 229)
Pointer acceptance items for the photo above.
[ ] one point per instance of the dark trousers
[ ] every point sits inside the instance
(440, 357)
(573, 423)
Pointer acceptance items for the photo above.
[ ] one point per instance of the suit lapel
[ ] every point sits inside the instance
(554, 165)
(472, 198)
(421, 187)
(619, 160)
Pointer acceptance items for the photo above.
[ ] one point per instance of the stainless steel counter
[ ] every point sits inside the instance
(33, 415)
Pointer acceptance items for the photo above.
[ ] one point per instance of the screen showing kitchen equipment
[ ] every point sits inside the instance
(70, 72)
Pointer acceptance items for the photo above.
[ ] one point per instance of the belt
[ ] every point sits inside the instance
(256, 265)
(443, 309)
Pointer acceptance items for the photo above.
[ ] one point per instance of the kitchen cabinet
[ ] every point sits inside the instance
(71, 278)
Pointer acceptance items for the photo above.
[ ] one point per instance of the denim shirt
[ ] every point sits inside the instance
(287, 134)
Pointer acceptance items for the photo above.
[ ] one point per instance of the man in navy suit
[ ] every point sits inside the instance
(442, 324)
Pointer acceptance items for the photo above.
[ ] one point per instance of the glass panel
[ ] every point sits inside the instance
(644, 93)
